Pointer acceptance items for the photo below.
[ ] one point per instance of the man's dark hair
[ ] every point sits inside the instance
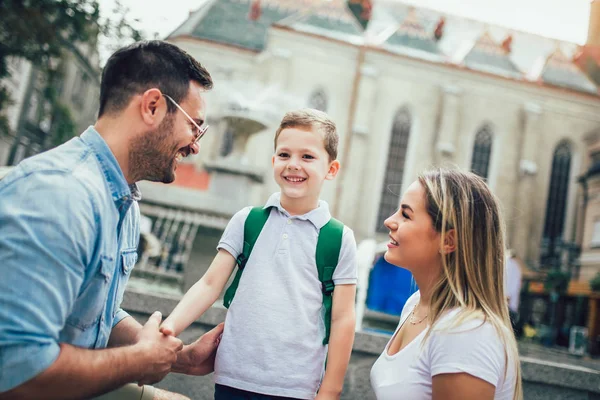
(143, 65)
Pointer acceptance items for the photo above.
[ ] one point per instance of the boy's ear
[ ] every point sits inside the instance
(334, 167)
(273, 160)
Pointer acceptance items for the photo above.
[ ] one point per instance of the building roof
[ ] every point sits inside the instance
(489, 56)
(411, 34)
(399, 28)
(559, 70)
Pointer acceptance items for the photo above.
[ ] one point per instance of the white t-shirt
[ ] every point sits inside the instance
(473, 347)
(274, 329)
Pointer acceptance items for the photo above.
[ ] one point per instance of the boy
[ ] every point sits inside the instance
(272, 346)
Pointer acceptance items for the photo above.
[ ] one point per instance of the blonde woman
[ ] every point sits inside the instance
(454, 340)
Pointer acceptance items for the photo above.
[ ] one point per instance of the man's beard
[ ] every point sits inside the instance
(152, 155)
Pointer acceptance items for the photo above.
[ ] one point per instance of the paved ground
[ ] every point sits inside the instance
(558, 355)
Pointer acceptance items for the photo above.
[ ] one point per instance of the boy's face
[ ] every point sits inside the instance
(301, 164)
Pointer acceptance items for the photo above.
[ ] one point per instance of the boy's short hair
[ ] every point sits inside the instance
(312, 119)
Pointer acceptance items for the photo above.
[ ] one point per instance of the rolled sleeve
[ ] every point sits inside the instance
(21, 363)
(119, 316)
(46, 231)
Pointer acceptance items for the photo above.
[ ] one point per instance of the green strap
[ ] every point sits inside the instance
(255, 221)
(327, 256)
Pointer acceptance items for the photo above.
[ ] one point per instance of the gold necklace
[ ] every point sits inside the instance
(413, 320)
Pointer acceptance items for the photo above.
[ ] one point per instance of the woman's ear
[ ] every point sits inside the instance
(449, 245)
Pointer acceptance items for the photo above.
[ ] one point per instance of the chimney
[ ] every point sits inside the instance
(255, 10)
(439, 29)
(593, 38)
(507, 43)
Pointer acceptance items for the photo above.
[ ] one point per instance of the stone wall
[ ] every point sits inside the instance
(543, 380)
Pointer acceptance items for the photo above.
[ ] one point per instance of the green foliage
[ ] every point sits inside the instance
(557, 281)
(41, 31)
(63, 127)
(595, 283)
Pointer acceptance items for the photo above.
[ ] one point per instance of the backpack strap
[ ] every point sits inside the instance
(255, 221)
(329, 245)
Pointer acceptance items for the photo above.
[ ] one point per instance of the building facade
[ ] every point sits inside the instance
(415, 90)
(32, 119)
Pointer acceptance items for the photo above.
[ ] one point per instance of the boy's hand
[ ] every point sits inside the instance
(198, 358)
(167, 328)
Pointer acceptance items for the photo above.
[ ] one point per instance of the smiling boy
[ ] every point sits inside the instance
(273, 343)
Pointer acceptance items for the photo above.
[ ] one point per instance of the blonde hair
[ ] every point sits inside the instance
(472, 276)
(309, 118)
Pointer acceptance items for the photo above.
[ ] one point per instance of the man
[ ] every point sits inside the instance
(69, 229)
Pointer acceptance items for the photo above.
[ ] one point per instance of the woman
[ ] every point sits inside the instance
(454, 340)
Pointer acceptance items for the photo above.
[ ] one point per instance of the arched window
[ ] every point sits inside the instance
(556, 206)
(392, 183)
(318, 100)
(227, 143)
(482, 150)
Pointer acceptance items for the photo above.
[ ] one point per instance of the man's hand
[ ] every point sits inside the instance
(198, 358)
(158, 351)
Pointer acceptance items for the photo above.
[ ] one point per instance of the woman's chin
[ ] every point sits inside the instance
(389, 258)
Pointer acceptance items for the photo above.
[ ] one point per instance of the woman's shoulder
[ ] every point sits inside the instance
(468, 332)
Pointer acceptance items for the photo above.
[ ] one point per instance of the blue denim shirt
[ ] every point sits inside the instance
(69, 229)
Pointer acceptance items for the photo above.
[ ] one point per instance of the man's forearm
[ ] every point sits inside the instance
(94, 371)
(125, 332)
(338, 354)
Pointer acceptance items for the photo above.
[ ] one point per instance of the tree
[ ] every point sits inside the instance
(41, 31)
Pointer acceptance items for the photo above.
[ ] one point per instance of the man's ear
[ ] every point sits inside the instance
(449, 245)
(334, 167)
(149, 106)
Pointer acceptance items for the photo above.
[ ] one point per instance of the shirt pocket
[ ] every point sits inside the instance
(92, 299)
(128, 259)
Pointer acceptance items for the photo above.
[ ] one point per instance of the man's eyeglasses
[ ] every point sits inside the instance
(200, 130)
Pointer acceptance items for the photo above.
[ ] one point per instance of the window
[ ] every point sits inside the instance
(482, 150)
(318, 100)
(227, 143)
(556, 206)
(392, 183)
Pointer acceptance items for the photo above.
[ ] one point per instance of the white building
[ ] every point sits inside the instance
(417, 89)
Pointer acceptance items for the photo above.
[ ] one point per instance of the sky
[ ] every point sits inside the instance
(559, 19)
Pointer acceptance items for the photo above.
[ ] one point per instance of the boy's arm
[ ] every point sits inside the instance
(200, 296)
(341, 340)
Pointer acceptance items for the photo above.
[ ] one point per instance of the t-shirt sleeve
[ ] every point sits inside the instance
(346, 271)
(233, 238)
(475, 350)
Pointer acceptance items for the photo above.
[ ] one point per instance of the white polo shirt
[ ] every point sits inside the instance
(274, 329)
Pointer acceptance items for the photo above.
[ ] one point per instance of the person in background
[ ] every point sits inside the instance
(513, 282)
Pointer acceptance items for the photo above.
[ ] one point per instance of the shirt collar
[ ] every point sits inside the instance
(318, 216)
(120, 190)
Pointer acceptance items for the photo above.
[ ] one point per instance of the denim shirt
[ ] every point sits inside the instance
(69, 229)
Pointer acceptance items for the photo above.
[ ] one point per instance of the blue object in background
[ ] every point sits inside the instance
(389, 288)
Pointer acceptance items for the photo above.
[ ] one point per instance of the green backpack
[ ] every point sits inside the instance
(327, 255)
